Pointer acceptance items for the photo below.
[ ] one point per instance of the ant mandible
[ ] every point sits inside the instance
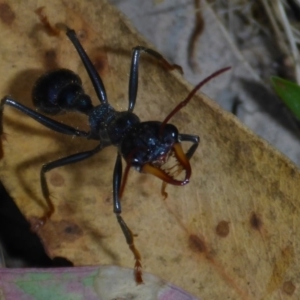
(146, 146)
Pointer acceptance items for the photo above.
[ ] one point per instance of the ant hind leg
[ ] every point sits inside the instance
(129, 236)
(55, 164)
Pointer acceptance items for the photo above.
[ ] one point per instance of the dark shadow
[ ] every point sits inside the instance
(21, 85)
(18, 241)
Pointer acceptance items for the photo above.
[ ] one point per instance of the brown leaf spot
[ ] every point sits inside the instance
(288, 287)
(56, 231)
(7, 15)
(197, 244)
(255, 221)
(222, 228)
(108, 199)
(70, 231)
(82, 35)
(50, 59)
(56, 179)
(52, 31)
(100, 62)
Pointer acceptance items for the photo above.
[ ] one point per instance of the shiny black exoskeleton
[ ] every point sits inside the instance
(146, 146)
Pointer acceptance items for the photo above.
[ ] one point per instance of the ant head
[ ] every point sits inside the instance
(143, 144)
(168, 148)
(149, 152)
(151, 144)
(176, 149)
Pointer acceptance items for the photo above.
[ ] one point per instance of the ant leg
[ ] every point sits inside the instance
(91, 70)
(47, 122)
(133, 77)
(190, 138)
(117, 178)
(59, 163)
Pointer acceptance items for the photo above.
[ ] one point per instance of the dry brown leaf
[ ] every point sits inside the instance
(231, 233)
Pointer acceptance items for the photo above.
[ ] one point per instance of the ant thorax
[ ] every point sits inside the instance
(110, 126)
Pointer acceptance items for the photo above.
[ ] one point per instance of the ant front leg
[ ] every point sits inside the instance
(190, 138)
(59, 163)
(134, 71)
(91, 70)
(117, 179)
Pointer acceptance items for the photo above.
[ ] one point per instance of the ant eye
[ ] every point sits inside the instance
(170, 134)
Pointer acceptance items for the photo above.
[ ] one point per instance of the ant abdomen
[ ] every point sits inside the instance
(60, 90)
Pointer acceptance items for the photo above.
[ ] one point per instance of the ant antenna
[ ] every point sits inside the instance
(190, 96)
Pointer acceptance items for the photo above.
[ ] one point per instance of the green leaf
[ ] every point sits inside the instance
(289, 92)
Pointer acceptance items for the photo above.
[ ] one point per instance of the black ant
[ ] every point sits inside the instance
(146, 146)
